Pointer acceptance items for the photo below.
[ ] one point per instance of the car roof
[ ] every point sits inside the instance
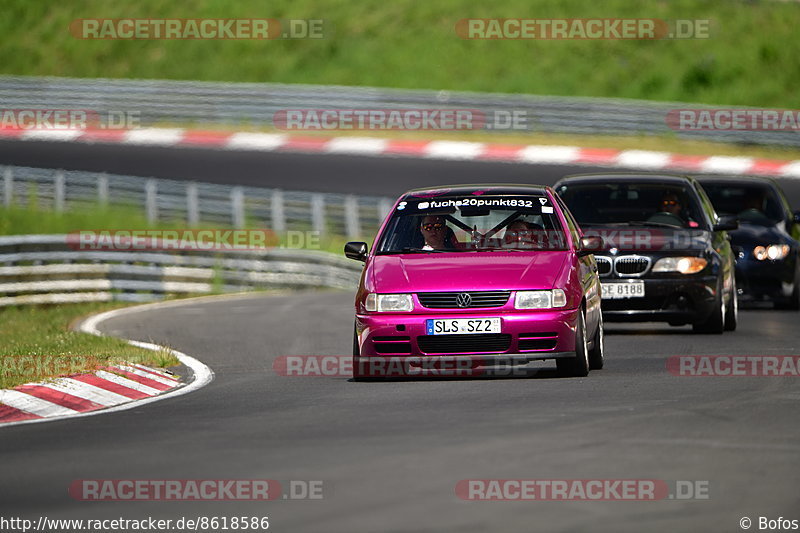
(469, 188)
(621, 177)
(736, 180)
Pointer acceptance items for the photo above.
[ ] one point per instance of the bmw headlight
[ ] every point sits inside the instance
(683, 265)
(540, 299)
(388, 303)
(773, 252)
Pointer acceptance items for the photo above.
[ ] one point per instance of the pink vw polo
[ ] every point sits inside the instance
(485, 275)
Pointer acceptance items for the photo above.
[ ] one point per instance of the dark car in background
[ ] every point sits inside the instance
(665, 254)
(766, 242)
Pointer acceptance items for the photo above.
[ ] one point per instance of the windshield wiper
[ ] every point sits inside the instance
(653, 224)
(413, 249)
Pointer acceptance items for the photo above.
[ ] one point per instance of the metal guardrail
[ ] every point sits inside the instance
(195, 203)
(45, 269)
(182, 102)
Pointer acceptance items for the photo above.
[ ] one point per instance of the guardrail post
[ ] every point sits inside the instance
(318, 213)
(8, 187)
(237, 207)
(58, 197)
(351, 223)
(102, 189)
(150, 197)
(192, 205)
(278, 214)
(384, 206)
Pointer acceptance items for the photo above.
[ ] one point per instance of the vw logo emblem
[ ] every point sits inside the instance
(464, 300)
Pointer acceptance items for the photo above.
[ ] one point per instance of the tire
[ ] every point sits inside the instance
(597, 353)
(732, 311)
(715, 324)
(357, 376)
(577, 366)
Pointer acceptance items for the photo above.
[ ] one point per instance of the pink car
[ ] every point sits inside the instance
(479, 277)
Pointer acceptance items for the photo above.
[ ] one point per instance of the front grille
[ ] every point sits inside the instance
(392, 345)
(449, 300)
(603, 265)
(631, 265)
(483, 343)
(529, 342)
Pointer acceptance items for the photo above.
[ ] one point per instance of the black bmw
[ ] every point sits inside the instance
(766, 242)
(666, 254)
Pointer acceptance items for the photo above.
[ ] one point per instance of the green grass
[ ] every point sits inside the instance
(750, 59)
(19, 220)
(36, 343)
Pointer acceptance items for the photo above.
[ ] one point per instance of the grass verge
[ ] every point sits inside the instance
(749, 57)
(36, 343)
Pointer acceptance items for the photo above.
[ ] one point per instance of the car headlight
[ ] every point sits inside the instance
(540, 299)
(388, 303)
(684, 265)
(773, 252)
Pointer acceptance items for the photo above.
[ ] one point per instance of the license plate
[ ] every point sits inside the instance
(615, 291)
(452, 326)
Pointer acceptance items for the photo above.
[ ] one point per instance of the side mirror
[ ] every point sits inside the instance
(727, 223)
(356, 250)
(796, 217)
(590, 245)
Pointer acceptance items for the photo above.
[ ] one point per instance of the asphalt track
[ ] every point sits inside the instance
(294, 171)
(390, 454)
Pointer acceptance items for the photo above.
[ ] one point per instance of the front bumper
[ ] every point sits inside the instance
(525, 336)
(674, 300)
(765, 280)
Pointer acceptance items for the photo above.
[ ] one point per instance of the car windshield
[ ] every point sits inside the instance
(644, 204)
(756, 204)
(473, 224)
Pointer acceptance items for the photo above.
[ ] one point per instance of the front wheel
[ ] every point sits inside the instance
(577, 366)
(732, 312)
(793, 302)
(597, 353)
(715, 323)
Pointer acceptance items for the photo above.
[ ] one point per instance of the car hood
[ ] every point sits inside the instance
(644, 240)
(466, 271)
(755, 234)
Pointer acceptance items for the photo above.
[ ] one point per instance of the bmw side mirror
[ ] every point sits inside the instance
(356, 250)
(590, 245)
(727, 223)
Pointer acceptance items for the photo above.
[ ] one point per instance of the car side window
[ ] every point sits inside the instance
(708, 207)
(574, 228)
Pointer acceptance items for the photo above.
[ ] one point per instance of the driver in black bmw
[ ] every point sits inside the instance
(666, 255)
